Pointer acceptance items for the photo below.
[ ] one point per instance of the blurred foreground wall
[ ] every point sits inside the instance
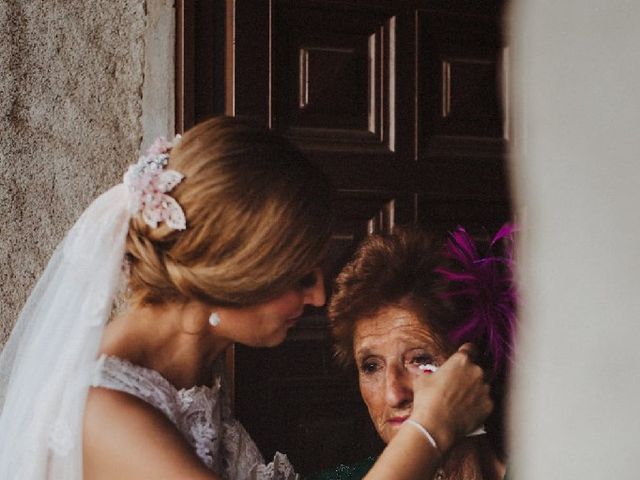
(576, 167)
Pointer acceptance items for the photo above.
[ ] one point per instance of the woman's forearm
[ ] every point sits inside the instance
(407, 457)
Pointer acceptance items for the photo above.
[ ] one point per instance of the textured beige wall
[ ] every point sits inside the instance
(71, 82)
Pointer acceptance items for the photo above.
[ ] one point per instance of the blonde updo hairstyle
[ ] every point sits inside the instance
(258, 214)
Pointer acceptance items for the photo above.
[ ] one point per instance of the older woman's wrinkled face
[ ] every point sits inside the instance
(388, 347)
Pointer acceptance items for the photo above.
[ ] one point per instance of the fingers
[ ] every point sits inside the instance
(470, 353)
(473, 355)
(470, 350)
(475, 402)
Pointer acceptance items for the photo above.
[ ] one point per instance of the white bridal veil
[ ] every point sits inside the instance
(46, 366)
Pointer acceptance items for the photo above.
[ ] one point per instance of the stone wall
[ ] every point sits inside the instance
(71, 119)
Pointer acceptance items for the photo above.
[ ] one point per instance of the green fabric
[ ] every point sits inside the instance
(355, 471)
(506, 475)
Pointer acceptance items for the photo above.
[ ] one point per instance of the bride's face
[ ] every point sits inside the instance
(266, 324)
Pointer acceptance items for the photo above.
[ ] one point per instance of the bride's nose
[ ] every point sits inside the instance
(315, 294)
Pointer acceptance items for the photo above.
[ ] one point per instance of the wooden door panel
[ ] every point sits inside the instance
(360, 214)
(459, 82)
(479, 215)
(330, 69)
(248, 60)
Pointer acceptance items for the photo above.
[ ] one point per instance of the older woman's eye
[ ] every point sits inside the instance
(369, 368)
(415, 361)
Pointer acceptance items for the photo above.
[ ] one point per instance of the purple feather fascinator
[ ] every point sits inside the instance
(486, 284)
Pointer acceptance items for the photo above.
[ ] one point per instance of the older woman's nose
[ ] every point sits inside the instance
(315, 294)
(398, 387)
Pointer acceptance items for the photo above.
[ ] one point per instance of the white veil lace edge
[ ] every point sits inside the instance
(47, 363)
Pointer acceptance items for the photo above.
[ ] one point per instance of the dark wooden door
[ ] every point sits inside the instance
(400, 102)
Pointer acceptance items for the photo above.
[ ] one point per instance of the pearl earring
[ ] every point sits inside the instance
(214, 319)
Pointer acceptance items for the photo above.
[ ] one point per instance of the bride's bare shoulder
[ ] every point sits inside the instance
(124, 437)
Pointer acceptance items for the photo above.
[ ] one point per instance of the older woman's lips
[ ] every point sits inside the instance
(397, 421)
(293, 320)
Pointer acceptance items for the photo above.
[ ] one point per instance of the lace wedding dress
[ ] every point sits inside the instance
(202, 415)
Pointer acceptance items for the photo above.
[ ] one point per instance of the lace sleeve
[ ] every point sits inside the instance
(243, 460)
(118, 374)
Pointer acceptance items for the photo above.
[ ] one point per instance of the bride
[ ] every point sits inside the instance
(212, 239)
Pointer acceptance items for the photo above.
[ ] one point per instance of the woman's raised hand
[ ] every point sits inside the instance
(453, 401)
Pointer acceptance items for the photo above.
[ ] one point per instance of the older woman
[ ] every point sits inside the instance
(397, 311)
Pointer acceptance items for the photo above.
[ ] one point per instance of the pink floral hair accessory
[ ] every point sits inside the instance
(148, 182)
